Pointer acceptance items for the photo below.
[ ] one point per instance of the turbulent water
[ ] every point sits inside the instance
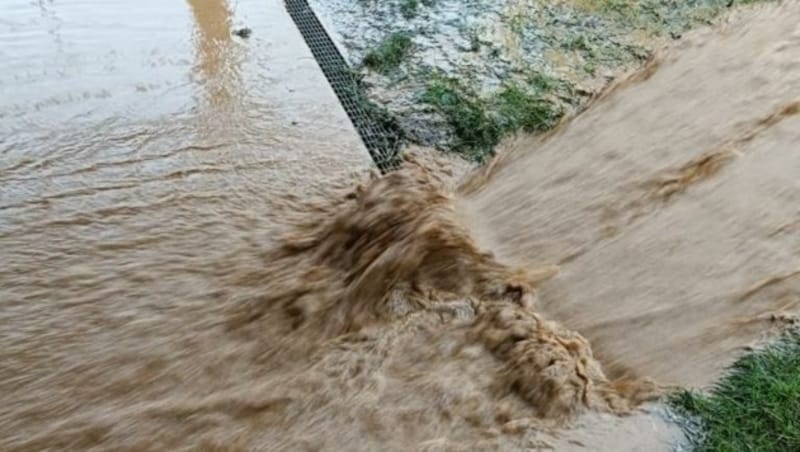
(671, 205)
(195, 256)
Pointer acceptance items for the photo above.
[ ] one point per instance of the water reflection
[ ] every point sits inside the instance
(218, 58)
(132, 161)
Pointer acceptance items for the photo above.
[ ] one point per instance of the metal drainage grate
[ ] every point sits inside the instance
(382, 141)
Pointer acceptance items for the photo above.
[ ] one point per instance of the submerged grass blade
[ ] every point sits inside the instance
(388, 55)
(756, 407)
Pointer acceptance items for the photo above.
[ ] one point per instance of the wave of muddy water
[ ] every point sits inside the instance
(671, 205)
(191, 262)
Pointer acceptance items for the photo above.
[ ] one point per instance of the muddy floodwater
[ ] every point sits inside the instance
(137, 140)
(195, 254)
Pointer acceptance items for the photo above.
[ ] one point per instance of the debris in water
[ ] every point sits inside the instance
(243, 33)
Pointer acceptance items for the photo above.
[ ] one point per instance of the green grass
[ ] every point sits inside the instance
(756, 407)
(389, 53)
(521, 110)
(475, 130)
(479, 124)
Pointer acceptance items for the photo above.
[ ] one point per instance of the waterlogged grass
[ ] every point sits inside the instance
(479, 124)
(475, 131)
(628, 26)
(388, 55)
(409, 8)
(755, 408)
(518, 109)
(659, 17)
(587, 41)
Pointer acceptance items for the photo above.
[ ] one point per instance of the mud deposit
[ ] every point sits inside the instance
(184, 268)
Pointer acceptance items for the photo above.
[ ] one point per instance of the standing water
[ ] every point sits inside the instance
(140, 141)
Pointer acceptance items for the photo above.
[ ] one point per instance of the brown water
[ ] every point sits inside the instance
(671, 205)
(194, 258)
(139, 145)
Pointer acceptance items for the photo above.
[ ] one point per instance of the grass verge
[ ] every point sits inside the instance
(756, 407)
(480, 123)
(389, 53)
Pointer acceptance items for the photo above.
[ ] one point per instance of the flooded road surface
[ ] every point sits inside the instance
(140, 143)
(182, 268)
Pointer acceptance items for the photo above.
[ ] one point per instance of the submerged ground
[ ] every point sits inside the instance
(461, 74)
